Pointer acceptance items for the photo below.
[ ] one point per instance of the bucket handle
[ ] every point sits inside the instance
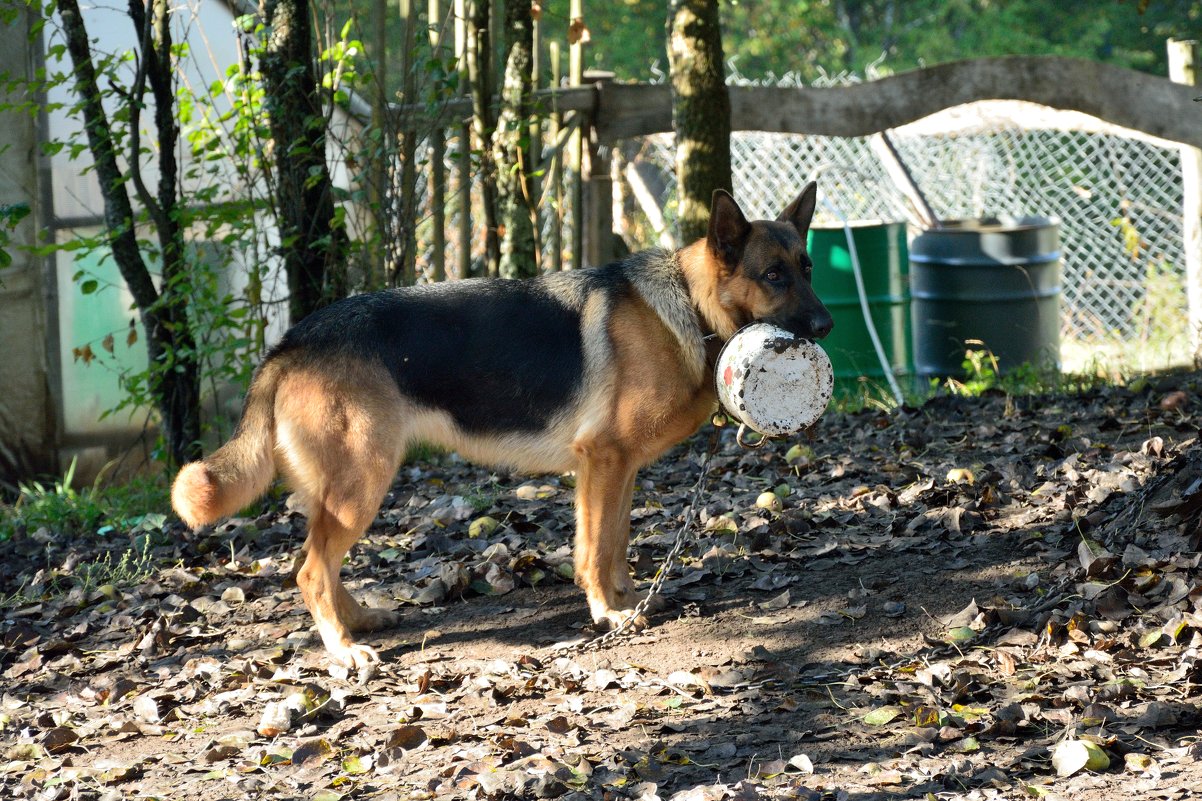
(742, 439)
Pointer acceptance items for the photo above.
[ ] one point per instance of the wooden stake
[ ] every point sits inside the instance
(438, 173)
(556, 166)
(1183, 68)
(576, 148)
(377, 189)
(408, 273)
(464, 154)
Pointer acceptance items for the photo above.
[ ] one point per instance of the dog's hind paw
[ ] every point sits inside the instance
(355, 656)
(631, 598)
(368, 618)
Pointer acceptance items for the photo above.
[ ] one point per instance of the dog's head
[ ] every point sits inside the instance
(761, 269)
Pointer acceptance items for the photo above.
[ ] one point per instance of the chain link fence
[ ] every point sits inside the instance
(1117, 194)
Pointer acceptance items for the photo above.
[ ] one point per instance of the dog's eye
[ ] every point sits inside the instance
(774, 276)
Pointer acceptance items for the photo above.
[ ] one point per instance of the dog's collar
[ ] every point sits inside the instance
(713, 347)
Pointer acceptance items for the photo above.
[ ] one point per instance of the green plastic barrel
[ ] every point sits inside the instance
(994, 281)
(881, 248)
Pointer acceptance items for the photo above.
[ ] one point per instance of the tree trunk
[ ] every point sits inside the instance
(700, 111)
(512, 150)
(313, 247)
(177, 379)
(174, 373)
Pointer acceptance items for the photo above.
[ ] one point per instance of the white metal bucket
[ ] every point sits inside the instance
(772, 381)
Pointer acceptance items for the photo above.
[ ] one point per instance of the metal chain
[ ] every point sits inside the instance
(602, 640)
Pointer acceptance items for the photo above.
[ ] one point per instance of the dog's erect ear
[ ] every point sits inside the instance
(801, 210)
(728, 227)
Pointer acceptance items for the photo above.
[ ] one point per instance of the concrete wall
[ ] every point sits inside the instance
(26, 417)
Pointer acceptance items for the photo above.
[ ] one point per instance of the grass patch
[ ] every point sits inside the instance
(103, 576)
(96, 509)
(981, 376)
(95, 539)
(133, 567)
(424, 452)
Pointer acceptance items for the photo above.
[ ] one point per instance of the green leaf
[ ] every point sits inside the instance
(1151, 639)
(1070, 756)
(960, 635)
(281, 757)
(15, 212)
(881, 716)
(353, 765)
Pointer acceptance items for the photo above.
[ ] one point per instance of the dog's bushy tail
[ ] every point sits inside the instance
(241, 469)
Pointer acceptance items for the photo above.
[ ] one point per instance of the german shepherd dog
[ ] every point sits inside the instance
(599, 371)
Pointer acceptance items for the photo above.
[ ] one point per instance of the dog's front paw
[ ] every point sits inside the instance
(611, 619)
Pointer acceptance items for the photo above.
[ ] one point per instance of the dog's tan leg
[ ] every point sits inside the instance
(334, 526)
(357, 616)
(321, 588)
(619, 570)
(340, 439)
(623, 583)
(602, 526)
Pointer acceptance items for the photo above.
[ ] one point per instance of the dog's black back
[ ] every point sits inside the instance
(496, 355)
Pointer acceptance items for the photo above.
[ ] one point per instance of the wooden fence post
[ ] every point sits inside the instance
(1183, 68)
(481, 58)
(576, 146)
(376, 266)
(535, 133)
(464, 154)
(556, 170)
(408, 228)
(438, 172)
(598, 233)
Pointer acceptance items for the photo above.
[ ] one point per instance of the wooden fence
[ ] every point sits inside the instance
(606, 112)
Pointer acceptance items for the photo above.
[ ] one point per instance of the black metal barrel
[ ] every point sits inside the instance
(990, 280)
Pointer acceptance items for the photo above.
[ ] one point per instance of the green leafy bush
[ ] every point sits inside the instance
(95, 510)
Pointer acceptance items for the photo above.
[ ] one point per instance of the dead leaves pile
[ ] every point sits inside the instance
(974, 598)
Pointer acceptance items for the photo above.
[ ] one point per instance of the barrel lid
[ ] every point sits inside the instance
(772, 381)
(994, 223)
(835, 225)
(987, 241)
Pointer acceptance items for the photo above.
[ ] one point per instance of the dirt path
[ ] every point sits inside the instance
(947, 597)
